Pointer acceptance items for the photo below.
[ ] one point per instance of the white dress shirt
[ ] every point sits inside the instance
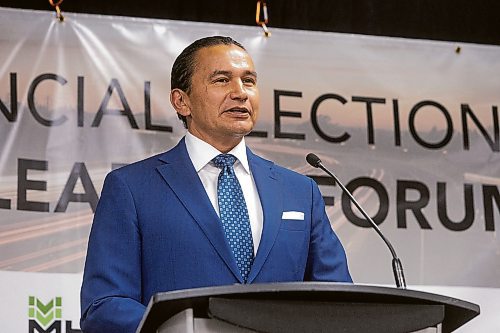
(201, 155)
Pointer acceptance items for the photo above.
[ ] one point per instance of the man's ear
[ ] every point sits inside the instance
(180, 101)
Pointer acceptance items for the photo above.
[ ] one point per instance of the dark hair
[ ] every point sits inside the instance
(183, 68)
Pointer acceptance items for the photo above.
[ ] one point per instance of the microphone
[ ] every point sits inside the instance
(397, 267)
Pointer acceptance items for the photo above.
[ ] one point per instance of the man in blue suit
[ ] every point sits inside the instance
(160, 224)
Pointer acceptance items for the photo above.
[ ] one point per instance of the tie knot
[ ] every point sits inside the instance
(224, 160)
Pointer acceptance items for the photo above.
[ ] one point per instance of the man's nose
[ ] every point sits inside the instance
(238, 90)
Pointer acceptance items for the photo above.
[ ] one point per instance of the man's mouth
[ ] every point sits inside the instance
(238, 110)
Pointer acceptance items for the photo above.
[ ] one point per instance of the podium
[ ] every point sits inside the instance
(304, 307)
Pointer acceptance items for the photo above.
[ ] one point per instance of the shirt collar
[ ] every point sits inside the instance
(201, 153)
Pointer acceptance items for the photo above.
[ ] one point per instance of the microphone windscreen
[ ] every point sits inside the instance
(313, 160)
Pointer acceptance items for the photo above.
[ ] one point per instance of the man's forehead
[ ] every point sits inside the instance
(217, 57)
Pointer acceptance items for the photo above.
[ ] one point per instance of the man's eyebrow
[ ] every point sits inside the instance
(252, 73)
(220, 72)
(230, 74)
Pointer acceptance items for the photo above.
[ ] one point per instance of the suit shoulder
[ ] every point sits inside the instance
(135, 169)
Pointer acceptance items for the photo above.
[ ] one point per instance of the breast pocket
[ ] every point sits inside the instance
(293, 225)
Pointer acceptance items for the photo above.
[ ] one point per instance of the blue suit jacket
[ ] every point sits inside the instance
(156, 230)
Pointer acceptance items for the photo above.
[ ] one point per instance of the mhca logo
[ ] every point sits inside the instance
(46, 318)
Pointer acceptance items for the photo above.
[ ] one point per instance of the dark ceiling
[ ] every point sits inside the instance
(452, 20)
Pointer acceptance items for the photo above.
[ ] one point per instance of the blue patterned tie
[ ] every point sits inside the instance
(234, 214)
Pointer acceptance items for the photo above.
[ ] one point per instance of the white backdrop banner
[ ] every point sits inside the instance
(410, 126)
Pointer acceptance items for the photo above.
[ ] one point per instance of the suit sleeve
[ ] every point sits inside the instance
(111, 288)
(326, 259)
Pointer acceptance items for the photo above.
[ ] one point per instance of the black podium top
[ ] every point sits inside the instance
(454, 312)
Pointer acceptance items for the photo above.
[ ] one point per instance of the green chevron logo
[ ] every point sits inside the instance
(45, 313)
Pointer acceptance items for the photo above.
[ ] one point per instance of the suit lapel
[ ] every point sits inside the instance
(179, 173)
(271, 196)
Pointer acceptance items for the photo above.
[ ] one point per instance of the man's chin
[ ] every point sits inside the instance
(241, 129)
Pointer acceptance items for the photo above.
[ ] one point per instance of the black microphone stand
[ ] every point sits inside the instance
(397, 267)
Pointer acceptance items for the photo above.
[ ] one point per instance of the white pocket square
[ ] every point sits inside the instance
(292, 215)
